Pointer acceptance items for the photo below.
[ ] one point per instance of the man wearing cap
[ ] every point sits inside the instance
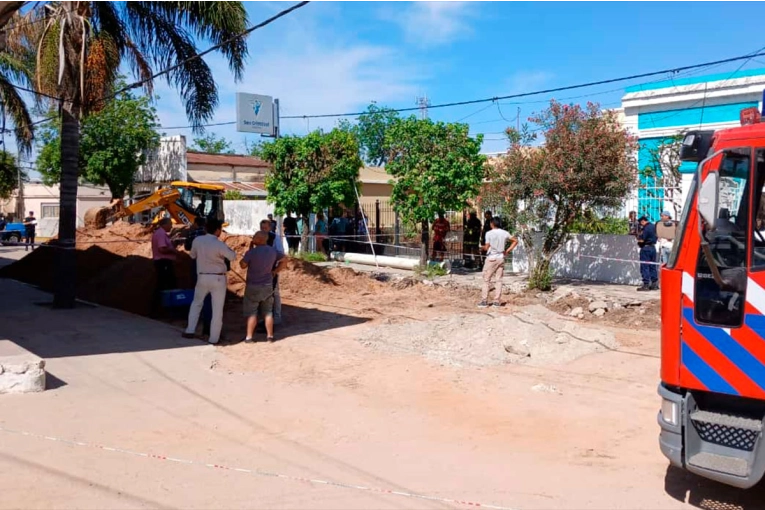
(647, 242)
(665, 232)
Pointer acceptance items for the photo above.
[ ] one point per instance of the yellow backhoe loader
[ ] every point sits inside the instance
(183, 201)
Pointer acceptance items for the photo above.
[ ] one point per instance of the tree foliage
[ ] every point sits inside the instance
(10, 173)
(587, 161)
(370, 131)
(435, 167)
(212, 144)
(114, 143)
(79, 50)
(311, 173)
(233, 194)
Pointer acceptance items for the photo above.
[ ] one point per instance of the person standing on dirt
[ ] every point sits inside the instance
(163, 253)
(472, 238)
(274, 224)
(487, 217)
(262, 265)
(30, 226)
(290, 226)
(665, 232)
(441, 228)
(211, 255)
(199, 230)
(647, 242)
(275, 241)
(497, 249)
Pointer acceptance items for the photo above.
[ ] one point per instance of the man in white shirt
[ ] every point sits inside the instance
(496, 250)
(211, 255)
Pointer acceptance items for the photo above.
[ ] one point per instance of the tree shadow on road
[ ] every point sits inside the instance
(710, 495)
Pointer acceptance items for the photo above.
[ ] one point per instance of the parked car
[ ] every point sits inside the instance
(11, 233)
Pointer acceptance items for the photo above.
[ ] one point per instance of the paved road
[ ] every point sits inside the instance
(323, 406)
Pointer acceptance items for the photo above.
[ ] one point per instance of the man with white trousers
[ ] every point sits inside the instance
(213, 261)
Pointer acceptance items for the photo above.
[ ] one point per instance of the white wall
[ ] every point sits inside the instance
(165, 164)
(577, 259)
(244, 216)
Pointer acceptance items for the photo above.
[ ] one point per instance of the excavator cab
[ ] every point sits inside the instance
(201, 199)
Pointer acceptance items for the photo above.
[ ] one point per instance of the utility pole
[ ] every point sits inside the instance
(423, 103)
(518, 120)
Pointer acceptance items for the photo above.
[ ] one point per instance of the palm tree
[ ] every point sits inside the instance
(17, 69)
(79, 52)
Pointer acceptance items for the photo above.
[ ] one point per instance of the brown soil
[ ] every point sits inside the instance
(114, 269)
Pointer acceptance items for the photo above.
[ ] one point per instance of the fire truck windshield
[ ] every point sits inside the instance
(728, 245)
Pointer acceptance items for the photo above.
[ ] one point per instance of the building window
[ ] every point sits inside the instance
(50, 210)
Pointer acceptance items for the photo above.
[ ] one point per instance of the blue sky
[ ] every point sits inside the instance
(337, 57)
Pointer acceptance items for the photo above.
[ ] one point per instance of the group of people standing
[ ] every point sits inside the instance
(655, 242)
(474, 240)
(212, 260)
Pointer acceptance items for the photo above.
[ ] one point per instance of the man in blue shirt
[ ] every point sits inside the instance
(647, 242)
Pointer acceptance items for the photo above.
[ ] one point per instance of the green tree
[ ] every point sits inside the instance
(586, 162)
(212, 144)
(113, 144)
(370, 131)
(10, 174)
(79, 53)
(311, 173)
(436, 167)
(233, 194)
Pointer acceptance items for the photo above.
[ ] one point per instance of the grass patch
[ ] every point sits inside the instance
(311, 257)
(430, 271)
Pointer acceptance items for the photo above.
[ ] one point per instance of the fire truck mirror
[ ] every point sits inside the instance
(708, 205)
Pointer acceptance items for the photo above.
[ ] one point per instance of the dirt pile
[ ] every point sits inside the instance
(114, 268)
(532, 335)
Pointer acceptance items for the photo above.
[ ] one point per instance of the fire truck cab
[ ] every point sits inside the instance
(713, 311)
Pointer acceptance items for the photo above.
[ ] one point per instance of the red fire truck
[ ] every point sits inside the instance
(713, 311)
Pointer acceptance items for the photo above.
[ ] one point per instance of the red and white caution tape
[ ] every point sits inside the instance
(256, 472)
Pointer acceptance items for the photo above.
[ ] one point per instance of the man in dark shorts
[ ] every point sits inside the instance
(30, 227)
(261, 265)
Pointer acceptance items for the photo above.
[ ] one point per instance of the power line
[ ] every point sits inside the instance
(545, 91)
(717, 63)
(212, 48)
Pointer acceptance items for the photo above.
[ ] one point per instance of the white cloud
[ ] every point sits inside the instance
(311, 72)
(433, 23)
(526, 81)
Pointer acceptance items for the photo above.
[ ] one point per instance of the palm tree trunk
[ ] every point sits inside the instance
(66, 262)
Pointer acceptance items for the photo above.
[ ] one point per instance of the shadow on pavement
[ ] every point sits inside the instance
(710, 495)
(85, 331)
(295, 321)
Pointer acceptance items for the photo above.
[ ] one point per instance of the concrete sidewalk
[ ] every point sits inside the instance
(125, 381)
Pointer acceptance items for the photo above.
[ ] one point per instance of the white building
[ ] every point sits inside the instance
(657, 110)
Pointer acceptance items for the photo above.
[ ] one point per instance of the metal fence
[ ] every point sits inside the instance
(390, 234)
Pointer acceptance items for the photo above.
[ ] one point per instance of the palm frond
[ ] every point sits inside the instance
(214, 21)
(166, 44)
(17, 111)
